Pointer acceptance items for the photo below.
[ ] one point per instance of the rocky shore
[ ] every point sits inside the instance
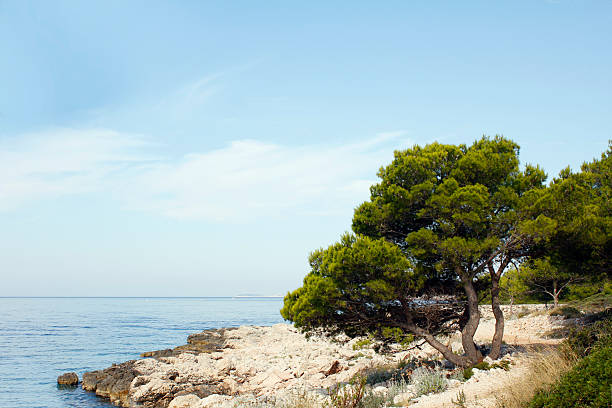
(217, 368)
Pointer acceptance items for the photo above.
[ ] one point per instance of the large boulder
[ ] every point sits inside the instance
(112, 383)
(69, 379)
(208, 341)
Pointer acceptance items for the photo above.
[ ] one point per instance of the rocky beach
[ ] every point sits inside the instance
(250, 364)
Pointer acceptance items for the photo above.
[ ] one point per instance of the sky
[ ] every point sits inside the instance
(191, 148)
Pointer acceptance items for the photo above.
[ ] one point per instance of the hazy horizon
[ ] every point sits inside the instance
(189, 149)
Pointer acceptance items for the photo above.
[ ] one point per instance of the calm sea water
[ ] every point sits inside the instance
(41, 338)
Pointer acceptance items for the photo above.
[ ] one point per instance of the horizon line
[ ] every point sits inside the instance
(144, 297)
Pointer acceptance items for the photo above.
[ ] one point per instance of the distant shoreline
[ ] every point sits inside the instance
(145, 297)
(257, 296)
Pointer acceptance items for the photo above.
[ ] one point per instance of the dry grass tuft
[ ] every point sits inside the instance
(544, 368)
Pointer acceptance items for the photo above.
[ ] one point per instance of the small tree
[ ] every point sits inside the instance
(512, 285)
(540, 276)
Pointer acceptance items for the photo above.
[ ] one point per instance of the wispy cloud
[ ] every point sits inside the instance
(193, 96)
(190, 97)
(244, 180)
(63, 161)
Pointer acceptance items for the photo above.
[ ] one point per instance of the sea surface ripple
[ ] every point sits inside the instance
(41, 338)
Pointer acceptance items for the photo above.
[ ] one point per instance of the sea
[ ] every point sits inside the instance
(41, 338)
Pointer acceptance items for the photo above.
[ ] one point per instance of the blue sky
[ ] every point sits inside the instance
(205, 148)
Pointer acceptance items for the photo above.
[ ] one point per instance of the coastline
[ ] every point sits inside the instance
(219, 367)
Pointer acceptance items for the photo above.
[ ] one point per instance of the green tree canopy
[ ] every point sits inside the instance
(459, 213)
(363, 286)
(580, 246)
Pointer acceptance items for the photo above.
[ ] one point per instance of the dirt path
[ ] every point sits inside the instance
(483, 389)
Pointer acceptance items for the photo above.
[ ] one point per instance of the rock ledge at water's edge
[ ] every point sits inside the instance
(216, 366)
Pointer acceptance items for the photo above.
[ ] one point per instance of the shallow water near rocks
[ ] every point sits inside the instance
(41, 338)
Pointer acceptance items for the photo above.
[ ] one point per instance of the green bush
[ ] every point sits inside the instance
(598, 334)
(503, 364)
(398, 336)
(361, 344)
(468, 373)
(483, 365)
(596, 303)
(588, 384)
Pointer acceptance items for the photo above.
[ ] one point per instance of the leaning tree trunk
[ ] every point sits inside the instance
(469, 330)
(446, 351)
(498, 336)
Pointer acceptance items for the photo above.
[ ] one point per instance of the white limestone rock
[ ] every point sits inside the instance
(216, 401)
(185, 401)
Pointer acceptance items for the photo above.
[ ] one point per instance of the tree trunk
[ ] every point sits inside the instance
(498, 336)
(555, 294)
(467, 334)
(446, 351)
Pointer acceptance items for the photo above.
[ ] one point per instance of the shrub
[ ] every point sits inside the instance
(427, 380)
(361, 344)
(379, 375)
(598, 334)
(503, 364)
(396, 387)
(398, 336)
(348, 395)
(358, 355)
(388, 373)
(468, 373)
(586, 385)
(595, 303)
(483, 365)
(457, 375)
(377, 400)
(460, 401)
(568, 312)
(523, 312)
(373, 400)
